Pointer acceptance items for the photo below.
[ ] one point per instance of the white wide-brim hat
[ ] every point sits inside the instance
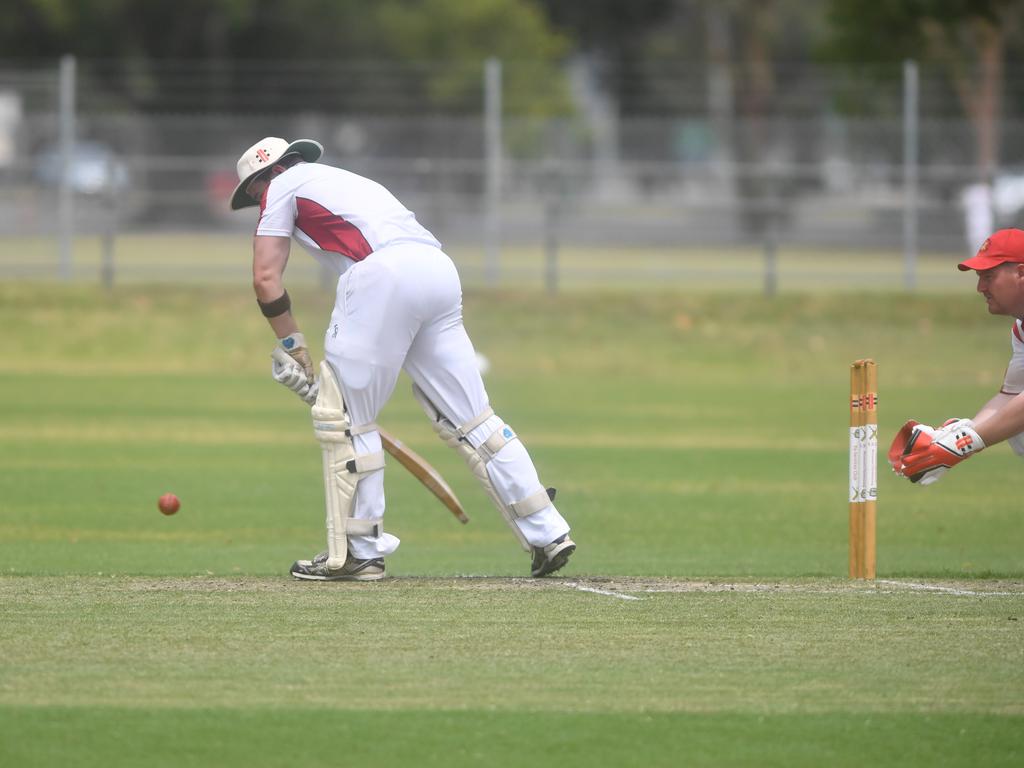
(262, 155)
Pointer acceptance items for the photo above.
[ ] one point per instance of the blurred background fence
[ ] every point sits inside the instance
(679, 174)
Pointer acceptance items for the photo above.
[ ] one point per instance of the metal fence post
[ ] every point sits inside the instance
(492, 145)
(553, 186)
(910, 150)
(771, 266)
(110, 193)
(66, 198)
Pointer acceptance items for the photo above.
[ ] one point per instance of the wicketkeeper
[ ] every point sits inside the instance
(398, 307)
(923, 454)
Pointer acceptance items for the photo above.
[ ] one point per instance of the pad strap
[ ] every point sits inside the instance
(475, 422)
(532, 504)
(356, 527)
(368, 462)
(499, 439)
(371, 427)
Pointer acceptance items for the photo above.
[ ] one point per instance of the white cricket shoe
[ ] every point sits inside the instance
(550, 558)
(354, 569)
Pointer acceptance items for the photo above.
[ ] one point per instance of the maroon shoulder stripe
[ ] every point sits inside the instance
(330, 231)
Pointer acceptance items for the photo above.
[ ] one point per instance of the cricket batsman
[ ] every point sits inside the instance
(923, 454)
(398, 307)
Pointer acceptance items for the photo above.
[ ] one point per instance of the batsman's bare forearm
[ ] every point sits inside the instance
(269, 259)
(283, 325)
(1000, 418)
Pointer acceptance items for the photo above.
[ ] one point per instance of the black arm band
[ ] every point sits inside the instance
(277, 307)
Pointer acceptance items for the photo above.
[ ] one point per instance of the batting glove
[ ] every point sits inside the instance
(287, 372)
(929, 453)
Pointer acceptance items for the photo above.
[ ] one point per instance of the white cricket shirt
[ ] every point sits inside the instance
(1013, 382)
(338, 216)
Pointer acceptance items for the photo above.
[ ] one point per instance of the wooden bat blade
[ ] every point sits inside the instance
(422, 471)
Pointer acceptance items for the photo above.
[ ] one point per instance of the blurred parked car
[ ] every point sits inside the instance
(95, 168)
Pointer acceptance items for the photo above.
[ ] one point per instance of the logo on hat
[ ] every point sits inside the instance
(262, 155)
(984, 246)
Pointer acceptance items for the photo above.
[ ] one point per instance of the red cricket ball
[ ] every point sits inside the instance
(169, 503)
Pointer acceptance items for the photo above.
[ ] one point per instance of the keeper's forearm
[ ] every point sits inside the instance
(1001, 418)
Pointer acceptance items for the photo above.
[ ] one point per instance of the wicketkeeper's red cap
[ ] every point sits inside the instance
(1003, 246)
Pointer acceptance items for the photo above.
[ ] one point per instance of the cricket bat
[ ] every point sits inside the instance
(422, 471)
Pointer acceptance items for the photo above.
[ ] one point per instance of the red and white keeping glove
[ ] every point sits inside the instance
(924, 454)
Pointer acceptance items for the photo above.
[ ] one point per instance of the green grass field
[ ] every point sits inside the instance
(698, 442)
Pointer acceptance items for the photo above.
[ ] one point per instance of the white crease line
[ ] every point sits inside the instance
(603, 592)
(947, 590)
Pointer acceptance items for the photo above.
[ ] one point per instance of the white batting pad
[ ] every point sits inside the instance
(342, 468)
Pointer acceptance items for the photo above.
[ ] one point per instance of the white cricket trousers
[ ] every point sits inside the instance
(401, 308)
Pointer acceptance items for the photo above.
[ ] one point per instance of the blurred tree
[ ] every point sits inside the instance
(725, 68)
(177, 50)
(966, 38)
(122, 28)
(615, 39)
(760, 49)
(514, 31)
(658, 47)
(612, 26)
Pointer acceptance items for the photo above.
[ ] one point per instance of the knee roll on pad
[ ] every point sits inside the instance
(343, 469)
(478, 458)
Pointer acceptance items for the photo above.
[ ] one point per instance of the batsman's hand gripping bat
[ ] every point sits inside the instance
(287, 372)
